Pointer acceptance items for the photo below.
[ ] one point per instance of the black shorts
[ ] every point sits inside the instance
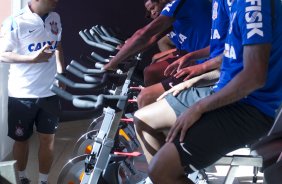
(170, 82)
(24, 113)
(219, 132)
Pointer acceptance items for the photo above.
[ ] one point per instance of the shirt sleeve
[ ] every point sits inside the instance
(8, 35)
(60, 28)
(172, 8)
(255, 21)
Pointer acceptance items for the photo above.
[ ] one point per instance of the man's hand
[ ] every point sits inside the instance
(183, 123)
(43, 54)
(175, 90)
(174, 67)
(190, 71)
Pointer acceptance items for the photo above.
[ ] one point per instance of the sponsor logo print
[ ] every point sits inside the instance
(229, 51)
(253, 17)
(37, 46)
(214, 10)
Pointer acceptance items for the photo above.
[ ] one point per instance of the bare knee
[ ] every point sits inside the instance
(165, 167)
(144, 98)
(46, 140)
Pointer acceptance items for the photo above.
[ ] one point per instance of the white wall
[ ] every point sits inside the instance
(6, 8)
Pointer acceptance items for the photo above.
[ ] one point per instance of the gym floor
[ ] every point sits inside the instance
(69, 132)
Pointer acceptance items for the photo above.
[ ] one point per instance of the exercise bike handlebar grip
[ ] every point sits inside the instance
(99, 65)
(90, 101)
(98, 45)
(99, 58)
(80, 74)
(86, 102)
(62, 93)
(72, 84)
(86, 70)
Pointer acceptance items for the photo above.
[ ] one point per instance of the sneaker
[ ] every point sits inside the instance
(24, 181)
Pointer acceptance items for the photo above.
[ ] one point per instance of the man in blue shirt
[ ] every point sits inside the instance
(246, 97)
(190, 20)
(146, 116)
(177, 73)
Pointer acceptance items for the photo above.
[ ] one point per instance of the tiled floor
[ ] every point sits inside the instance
(69, 132)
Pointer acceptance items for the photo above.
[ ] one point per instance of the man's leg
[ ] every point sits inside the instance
(215, 134)
(154, 73)
(45, 153)
(46, 124)
(166, 167)
(149, 94)
(20, 153)
(149, 123)
(21, 113)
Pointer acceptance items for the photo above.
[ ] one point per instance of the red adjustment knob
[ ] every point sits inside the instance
(127, 120)
(133, 100)
(137, 88)
(131, 154)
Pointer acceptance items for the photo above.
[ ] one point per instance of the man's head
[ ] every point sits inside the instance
(42, 7)
(154, 7)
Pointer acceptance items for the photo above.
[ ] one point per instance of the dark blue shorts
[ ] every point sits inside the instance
(24, 113)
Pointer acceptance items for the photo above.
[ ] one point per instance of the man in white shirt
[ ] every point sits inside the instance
(30, 42)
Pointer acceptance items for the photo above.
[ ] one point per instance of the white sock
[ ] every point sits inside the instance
(42, 177)
(22, 174)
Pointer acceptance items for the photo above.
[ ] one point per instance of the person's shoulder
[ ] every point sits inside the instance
(19, 13)
(9, 24)
(54, 14)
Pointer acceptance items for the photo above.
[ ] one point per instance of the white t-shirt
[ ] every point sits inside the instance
(25, 33)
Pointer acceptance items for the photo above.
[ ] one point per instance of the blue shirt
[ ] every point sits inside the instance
(220, 22)
(192, 20)
(219, 28)
(252, 23)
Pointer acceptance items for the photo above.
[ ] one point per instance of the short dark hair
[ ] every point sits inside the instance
(156, 1)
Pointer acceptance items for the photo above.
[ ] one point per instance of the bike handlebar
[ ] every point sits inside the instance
(103, 46)
(86, 101)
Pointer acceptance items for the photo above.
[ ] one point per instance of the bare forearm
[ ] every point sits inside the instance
(134, 45)
(11, 57)
(255, 62)
(206, 79)
(237, 89)
(212, 64)
(199, 54)
(60, 59)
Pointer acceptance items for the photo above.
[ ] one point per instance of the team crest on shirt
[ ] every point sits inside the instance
(214, 10)
(19, 131)
(54, 27)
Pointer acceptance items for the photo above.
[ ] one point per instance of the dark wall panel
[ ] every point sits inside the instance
(127, 15)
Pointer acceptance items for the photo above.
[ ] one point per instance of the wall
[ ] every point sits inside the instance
(127, 15)
(6, 9)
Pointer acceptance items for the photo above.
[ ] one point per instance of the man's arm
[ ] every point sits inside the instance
(60, 58)
(141, 39)
(252, 77)
(191, 56)
(198, 69)
(40, 56)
